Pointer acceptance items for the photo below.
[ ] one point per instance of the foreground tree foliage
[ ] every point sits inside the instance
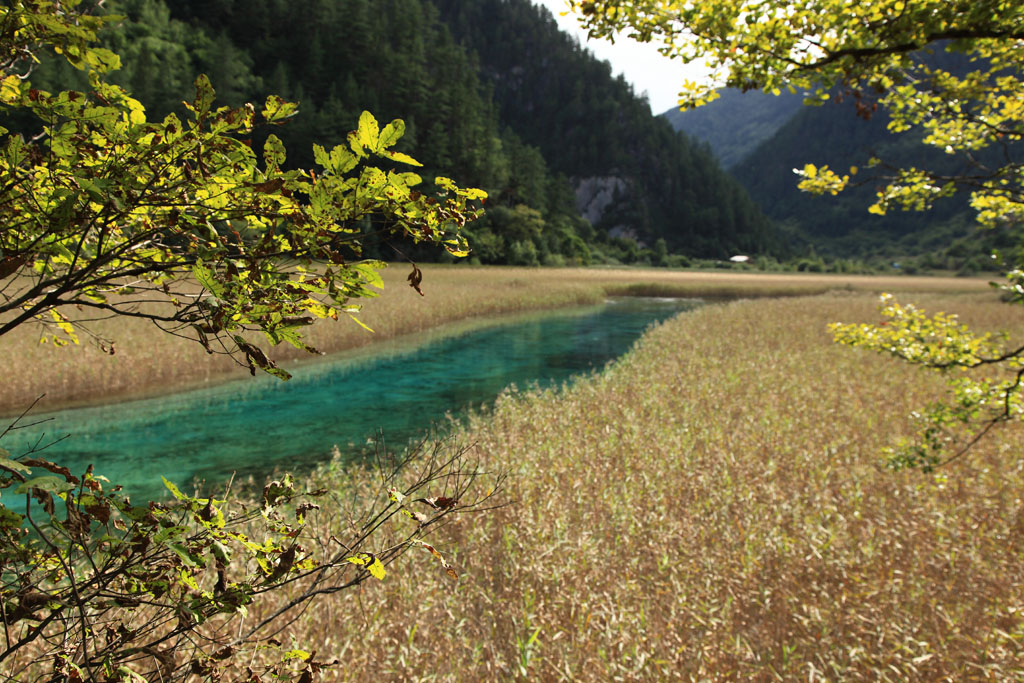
(98, 588)
(983, 373)
(876, 53)
(106, 213)
(949, 70)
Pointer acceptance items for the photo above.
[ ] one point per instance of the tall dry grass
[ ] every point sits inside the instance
(148, 360)
(712, 508)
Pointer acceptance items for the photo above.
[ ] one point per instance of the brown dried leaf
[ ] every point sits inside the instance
(11, 264)
(101, 513)
(448, 569)
(439, 502)
(415, 278)
(52, 467)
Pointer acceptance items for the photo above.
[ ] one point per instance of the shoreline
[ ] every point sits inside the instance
(393, 345)
(153, 363)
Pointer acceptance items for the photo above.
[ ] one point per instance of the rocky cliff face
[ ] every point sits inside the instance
(594, 195)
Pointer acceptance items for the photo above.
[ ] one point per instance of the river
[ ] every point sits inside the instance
(253, 426)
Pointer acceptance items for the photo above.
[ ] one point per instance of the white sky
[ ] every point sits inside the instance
(640, 63)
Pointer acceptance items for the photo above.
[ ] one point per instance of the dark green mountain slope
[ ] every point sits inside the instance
(492, 95)
(737, 122)
(633, 174)
(833, 134)
(780, 135)
(339, 57)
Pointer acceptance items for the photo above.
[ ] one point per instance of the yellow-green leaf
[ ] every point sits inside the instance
(368, 131)
(377, 569)
(391, 134)
(401, 158)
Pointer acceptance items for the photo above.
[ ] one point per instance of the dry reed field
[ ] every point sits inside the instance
(148, 360)
(712, 507)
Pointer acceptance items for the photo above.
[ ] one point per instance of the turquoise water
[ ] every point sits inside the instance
(252, 426)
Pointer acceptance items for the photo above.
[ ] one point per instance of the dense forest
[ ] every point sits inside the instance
(577, 168)
(493, 95)
(594, 129)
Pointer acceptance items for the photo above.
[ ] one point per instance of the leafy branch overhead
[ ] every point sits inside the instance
(182, 222)
(950, 70)
(104, 589)
(983, 375)
(882, 54)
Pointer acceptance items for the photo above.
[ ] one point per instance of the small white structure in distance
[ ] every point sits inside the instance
(739, 258)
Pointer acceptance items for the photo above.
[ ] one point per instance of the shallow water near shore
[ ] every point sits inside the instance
(255, 426)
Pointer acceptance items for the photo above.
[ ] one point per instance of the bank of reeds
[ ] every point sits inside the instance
(148, 360)
(712, 507)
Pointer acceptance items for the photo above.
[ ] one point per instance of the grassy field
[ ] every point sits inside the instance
(712, 507)
(148, 361)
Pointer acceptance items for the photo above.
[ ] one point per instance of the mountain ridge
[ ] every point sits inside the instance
(834, 134)
(735, 123)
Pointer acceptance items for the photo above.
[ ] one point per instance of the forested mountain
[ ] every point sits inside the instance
(779, 136)
(833, 134)
(492, 94)
(737, 122)
(634, 175)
